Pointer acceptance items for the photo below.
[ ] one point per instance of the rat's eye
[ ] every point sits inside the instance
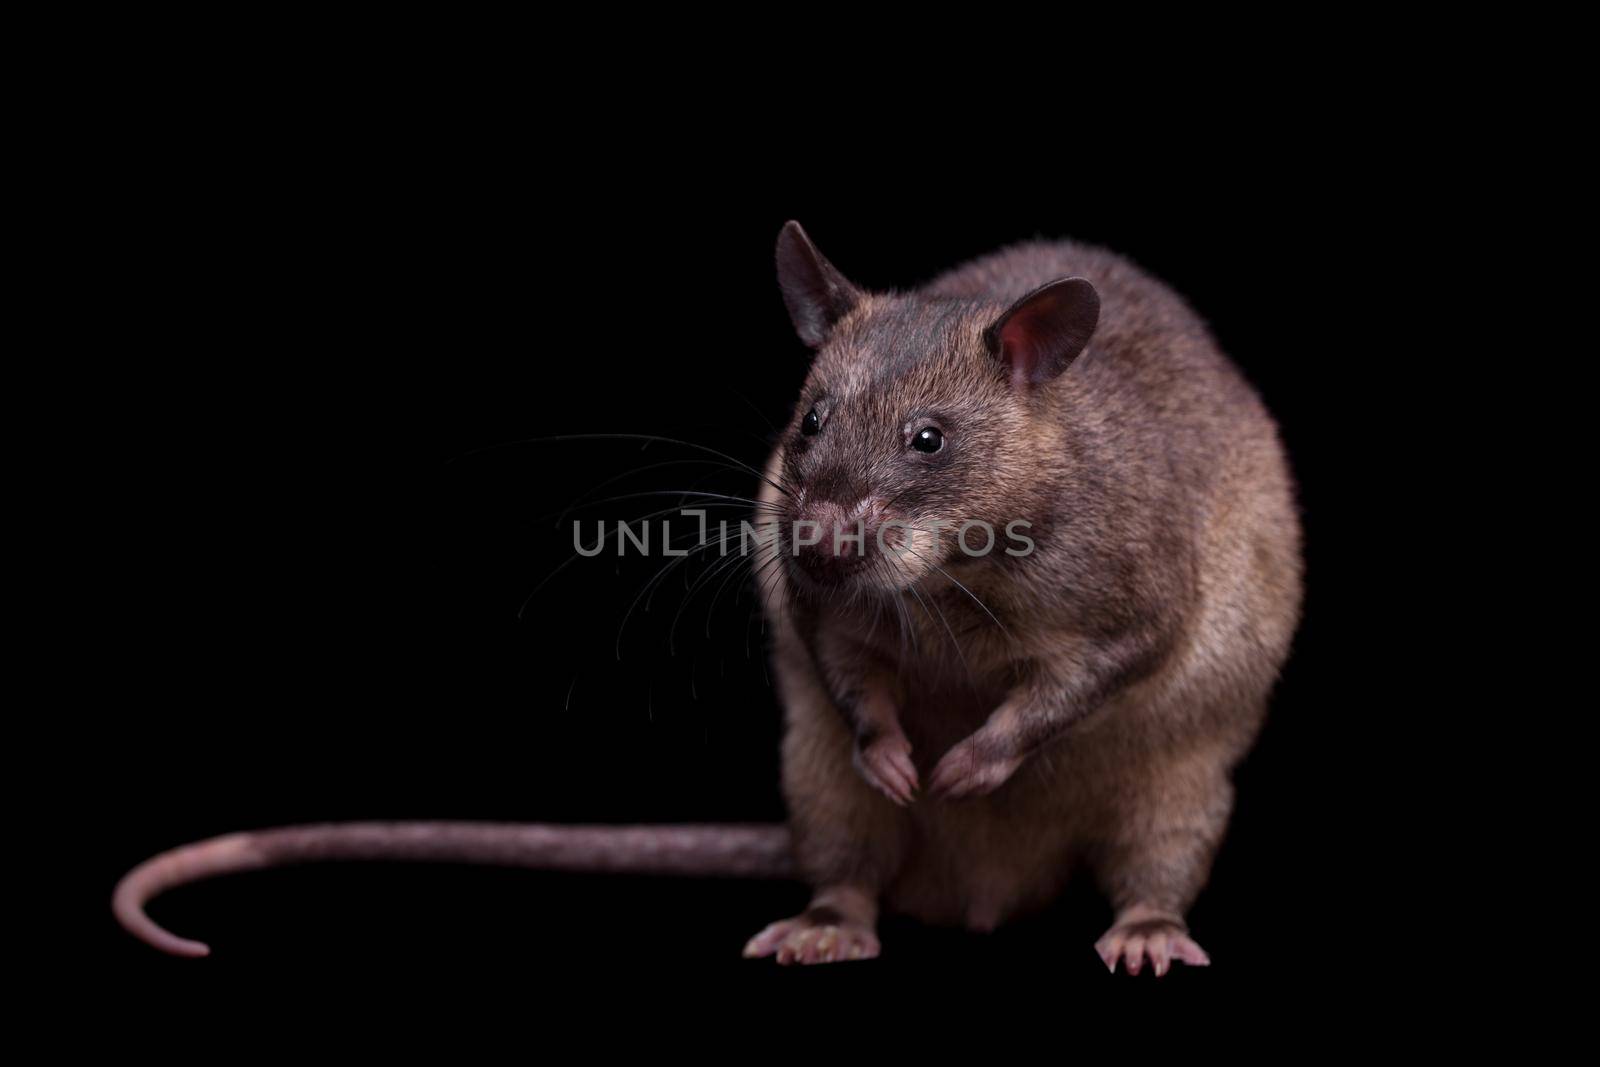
(811, 423)
(928, 439)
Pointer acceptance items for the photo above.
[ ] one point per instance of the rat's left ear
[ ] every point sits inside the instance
(1040, 335)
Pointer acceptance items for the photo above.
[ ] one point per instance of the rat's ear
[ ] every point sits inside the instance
(816, 294)
(1040, 335)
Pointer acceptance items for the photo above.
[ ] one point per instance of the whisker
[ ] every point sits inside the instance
(752, 405)
(743, 501)
(640, 470)
(648, 438)
(716, 568)
(653, 585)
(963, 588)
(913, 589)
(616, 531)
(564, 564)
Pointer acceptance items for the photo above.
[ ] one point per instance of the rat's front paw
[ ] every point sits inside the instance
(974, 767)
(885, 762)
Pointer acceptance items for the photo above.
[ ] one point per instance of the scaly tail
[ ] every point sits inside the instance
(734, 851)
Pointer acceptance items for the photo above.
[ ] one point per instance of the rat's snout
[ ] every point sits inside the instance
(834, 529)
(830, 540)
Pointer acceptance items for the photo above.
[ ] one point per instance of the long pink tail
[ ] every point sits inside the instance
(734, 851)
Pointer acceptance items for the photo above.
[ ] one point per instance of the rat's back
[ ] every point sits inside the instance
(1126, 292)
(1167, 400)
(1150, 351)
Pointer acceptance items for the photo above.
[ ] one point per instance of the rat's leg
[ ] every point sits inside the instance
(853, 687)
(849, 839)
(1048, 700)
(882, 754)
(1155, 862)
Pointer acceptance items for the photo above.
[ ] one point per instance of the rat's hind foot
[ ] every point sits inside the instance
(819, 935)
(1140, 934)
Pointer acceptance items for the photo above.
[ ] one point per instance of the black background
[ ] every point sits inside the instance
(331, 515)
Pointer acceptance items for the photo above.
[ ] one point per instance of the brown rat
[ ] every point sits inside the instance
(1077, 706)
(1072, 698)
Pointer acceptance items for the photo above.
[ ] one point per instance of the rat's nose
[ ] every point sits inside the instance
(830, 540)
(834, 529)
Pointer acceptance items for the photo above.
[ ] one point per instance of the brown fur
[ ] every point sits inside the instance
(1095, 719)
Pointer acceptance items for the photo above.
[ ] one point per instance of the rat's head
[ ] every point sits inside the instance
(922, 416)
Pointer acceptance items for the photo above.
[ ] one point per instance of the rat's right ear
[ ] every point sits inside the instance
(814, 291)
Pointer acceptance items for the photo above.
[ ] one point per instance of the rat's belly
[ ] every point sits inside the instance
(978, 862)
(943, 700)
(973, 862)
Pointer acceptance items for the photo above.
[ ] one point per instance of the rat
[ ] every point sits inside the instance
(966, 730)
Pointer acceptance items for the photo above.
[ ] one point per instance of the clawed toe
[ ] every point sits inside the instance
(798, 941)
(1157, 942)
(887, 767)
(767, 941)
